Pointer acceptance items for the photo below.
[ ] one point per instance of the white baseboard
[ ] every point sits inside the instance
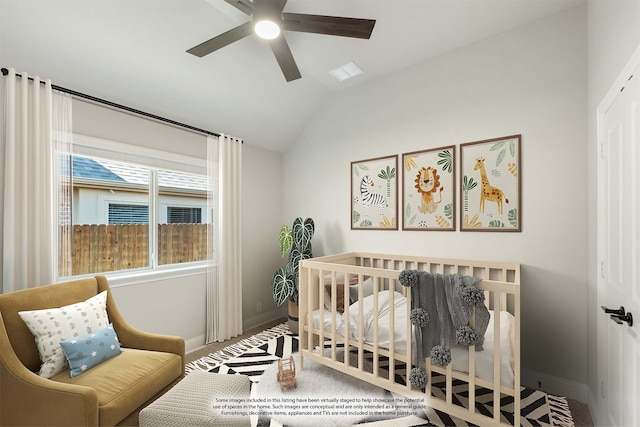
(263, 318)
(555, 385)
(194, 344)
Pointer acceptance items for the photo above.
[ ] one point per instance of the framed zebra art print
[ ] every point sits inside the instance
(374, 194)
(429, 190)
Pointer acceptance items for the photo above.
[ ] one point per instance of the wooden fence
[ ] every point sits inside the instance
(111, 247)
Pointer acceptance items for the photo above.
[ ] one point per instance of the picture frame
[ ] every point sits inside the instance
(429, 189)
(374, 194)
(490, 185)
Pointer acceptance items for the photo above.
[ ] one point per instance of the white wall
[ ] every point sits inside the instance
(613, 36)
(262, 200)
(529, 81)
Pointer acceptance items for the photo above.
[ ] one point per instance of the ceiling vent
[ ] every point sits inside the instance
(346, 72)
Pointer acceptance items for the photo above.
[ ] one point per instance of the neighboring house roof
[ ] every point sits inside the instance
(107, 170)
(84, 167)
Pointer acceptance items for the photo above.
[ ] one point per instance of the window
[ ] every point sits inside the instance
(184, 215)
(128, 214)
(112, 200)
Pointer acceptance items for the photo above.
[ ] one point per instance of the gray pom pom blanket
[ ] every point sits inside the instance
(441, 309)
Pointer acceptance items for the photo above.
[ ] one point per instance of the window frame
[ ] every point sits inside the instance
(93, 147)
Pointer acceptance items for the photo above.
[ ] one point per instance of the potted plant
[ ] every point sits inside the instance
(296, 242)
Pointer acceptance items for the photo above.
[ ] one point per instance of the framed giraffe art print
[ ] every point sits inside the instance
(490, 185)
(374, 194)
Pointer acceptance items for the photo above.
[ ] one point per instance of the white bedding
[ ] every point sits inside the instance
(459, 355)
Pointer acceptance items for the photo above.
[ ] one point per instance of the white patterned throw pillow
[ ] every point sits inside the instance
(53, 325)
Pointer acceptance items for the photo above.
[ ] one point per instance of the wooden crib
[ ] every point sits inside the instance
(354, 304)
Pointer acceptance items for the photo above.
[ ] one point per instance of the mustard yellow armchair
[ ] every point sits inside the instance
(111, 393)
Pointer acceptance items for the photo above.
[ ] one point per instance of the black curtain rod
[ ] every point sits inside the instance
(121, 107)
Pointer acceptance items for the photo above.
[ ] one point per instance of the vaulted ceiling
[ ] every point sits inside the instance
(133, 52)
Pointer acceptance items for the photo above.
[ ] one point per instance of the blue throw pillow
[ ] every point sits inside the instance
(85, 353)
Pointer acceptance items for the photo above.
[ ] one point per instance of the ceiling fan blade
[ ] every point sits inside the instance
(222, 40)
(285, 59)
(330, 25)
(245, 6)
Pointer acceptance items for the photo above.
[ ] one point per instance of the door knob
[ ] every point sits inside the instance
(618, 311)
(619, 319)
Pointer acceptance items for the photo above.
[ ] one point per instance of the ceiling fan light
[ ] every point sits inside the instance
(267, 29)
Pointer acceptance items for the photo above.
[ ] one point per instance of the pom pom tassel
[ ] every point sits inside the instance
(465, 335)
(440, 356)
(408, 278)
(470, 295)
(418, 378)
(419, 317)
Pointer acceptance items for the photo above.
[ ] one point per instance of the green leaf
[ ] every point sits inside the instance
(413, 219)
(295, 295)
(446, 161)
(283, 286)
(496, 224)
(497, 146)
(356, 216)
(294, 258)
(500, 157)
(468, 183)
(512, 148)
(387, 174)
(513, 217)
(448, 210)
(302, 233)
(366, 223)
(309, 225)
(285, 240)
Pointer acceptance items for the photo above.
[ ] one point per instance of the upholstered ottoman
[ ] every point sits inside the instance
(201, 399)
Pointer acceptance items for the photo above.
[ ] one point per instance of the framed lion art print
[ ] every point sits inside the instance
(429, 189)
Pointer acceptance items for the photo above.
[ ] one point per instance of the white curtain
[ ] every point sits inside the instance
(62, 180)
(224, 275)
(29, 224)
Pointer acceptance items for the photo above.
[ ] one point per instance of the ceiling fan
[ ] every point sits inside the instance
(268, 19)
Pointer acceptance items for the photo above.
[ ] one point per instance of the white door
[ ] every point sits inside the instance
(619, 252)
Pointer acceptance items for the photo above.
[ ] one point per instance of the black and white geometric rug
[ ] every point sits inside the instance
(254, 355)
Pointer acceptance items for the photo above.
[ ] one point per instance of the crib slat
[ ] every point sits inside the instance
(409, 345)
(376, 356)
(449, 382)
(472, 367)
(321, 299)
(392, 333)
(496, 360)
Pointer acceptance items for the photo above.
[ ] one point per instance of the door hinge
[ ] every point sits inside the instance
(603, 271)
(603, 150)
